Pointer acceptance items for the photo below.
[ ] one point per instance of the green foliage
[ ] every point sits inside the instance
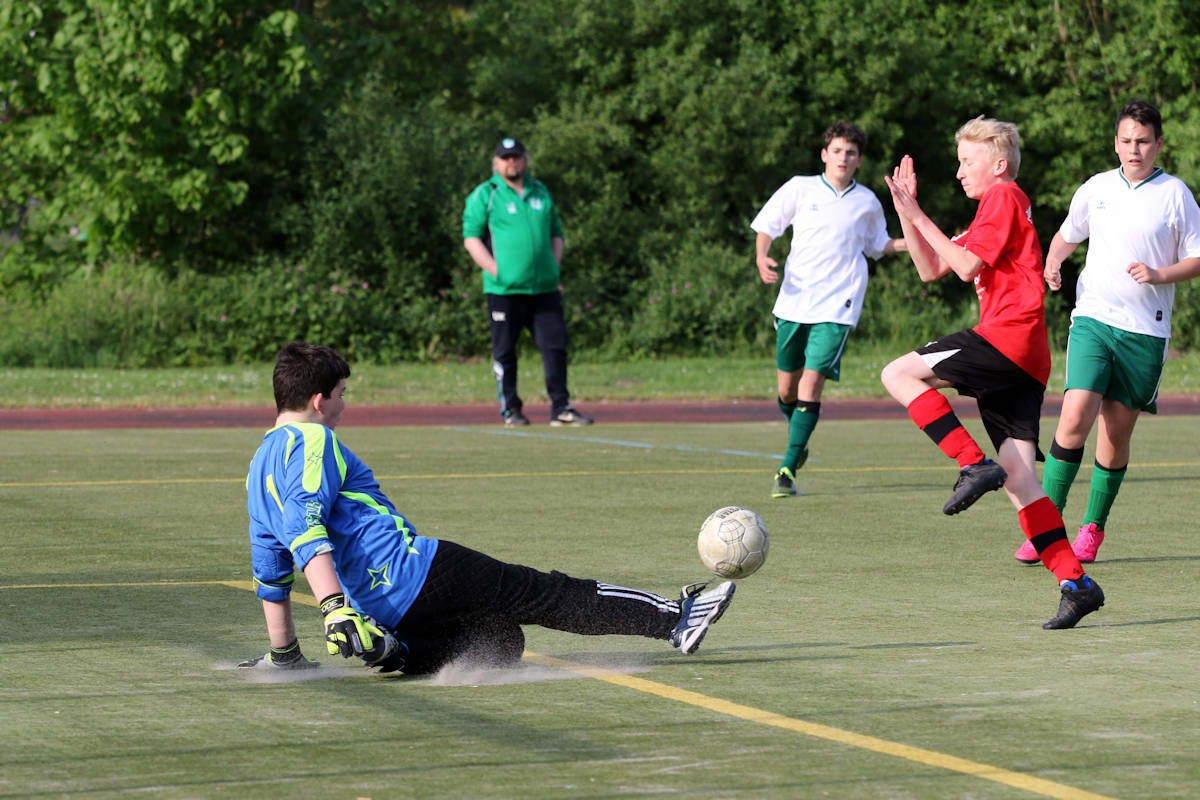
(699, 299)
(240, 139)
(149, 124)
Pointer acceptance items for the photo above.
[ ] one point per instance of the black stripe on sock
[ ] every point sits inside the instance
(942, 427)
(1063, 454)
(1044, 540)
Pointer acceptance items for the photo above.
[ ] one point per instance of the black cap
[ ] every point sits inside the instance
(509, 146)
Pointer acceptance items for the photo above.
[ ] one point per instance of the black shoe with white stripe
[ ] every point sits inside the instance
(699, 609)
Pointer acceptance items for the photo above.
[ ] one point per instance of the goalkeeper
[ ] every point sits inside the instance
(393, 598)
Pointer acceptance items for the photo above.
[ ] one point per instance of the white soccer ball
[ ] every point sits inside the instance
(733, 542)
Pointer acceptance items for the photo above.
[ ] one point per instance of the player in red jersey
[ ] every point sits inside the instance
(1003, 362)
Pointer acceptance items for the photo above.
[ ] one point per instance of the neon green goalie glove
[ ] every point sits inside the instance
(348, 633)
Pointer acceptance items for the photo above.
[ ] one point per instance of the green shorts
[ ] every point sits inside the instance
(817, 346)
(1123, 366)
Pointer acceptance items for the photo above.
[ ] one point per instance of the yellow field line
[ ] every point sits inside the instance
(930, 758)
(590, 473)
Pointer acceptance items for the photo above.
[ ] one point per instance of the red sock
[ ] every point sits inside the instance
(932, 413)
(1043, 525)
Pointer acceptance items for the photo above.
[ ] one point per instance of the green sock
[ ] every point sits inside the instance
(1105, 485)
(787, 409)
(1062, 466)
(800, 428)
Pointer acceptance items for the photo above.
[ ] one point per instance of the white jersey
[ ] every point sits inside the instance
(1156, 222)
(825, 277)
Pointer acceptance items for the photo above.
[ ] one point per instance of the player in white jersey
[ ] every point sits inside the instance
(834, 222)
(1144, 231)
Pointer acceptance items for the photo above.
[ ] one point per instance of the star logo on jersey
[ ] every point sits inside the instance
(379, 577)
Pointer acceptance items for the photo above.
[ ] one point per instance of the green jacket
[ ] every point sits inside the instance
(518, 230)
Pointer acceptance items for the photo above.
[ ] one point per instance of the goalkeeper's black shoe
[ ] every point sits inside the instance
(973, 483)
(698, 610)
(1079, 598)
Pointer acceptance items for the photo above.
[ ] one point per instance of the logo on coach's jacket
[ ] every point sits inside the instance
(535, 203)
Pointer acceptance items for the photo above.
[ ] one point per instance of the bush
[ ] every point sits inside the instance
(703, 299)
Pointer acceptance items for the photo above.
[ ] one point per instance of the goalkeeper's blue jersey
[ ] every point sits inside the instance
(307, 494)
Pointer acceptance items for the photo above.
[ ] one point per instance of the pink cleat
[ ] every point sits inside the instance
(1087, 542)
(1027, 553)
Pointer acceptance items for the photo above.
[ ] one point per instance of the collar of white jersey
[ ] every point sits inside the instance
(1157, 171)
(833, 189)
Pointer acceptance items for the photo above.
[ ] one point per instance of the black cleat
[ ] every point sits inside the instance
(973, 483)
(569, 416)
(515, 418)
(1079, 598)
(785, 483)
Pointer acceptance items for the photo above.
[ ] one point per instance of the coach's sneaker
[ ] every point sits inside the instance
(1087, 542)
(699, 609)
(569, 416)
(785, 483)
(515, 418)
(1079, 598)
(1027, 553)
(973, 483)
(288, 657)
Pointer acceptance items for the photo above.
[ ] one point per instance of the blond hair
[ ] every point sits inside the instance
(1002, 140)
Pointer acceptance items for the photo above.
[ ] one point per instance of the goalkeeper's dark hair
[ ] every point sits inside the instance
(302, 370)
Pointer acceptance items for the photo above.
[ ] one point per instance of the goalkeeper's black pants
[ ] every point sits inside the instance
(472, 607)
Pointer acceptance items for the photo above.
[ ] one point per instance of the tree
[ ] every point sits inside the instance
(149, 124)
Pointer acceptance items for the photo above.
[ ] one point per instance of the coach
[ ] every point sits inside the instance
(512, 231)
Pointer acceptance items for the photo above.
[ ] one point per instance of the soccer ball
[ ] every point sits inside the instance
(733, 542)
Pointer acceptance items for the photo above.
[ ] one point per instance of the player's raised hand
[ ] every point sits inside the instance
(766, 269)
(903, 186)
(1142, 273)
(906, 175)
(348, 633)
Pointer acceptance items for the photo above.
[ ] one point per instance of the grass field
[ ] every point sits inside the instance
(723, 378)
(884, 651)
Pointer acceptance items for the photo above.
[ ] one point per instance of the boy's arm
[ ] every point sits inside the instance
(929, 266)
(322, 579)
(766, 265)
(280, 627)
(1183, 270)
(1060, 250)
(931, 250)
(347, 632)
(895, 246)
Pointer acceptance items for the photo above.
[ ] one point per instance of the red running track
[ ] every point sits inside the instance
(377, 416)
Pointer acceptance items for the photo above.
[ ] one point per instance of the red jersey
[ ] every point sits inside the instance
(1010, 286)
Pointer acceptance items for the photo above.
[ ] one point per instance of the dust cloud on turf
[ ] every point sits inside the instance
(457, 673)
